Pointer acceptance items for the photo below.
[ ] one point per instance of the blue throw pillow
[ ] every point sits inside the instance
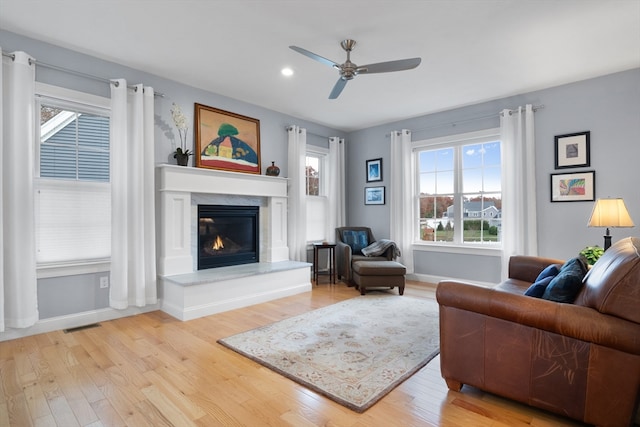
(550, 271)
(566, 285)
(537, 289)
(356, 239)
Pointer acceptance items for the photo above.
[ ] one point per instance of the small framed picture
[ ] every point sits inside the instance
(572, 150)
(374, 196)
(573, 187)
(374, 170)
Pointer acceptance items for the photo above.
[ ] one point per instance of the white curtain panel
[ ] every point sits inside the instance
(18, 283)
(336, 215)
(297, 232)
(133, 255)
(401, 197)
(519, 228)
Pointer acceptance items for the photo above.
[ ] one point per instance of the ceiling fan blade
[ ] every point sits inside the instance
(313, 56)
(385, 67)
(337, 89)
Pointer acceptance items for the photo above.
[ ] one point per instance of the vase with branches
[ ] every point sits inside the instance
(182, 153)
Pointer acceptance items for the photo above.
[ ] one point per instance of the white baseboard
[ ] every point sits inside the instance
(74, 320)
(435, 279)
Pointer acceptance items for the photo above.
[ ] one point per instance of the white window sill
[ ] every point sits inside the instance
(49, 270)
(467, 249)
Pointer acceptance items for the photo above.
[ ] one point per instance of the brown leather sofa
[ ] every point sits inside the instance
(581, 360)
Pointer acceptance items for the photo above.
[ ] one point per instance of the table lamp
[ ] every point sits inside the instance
(610, 213)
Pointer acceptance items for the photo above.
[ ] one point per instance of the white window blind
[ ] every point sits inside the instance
(73, 221)
(316, 218)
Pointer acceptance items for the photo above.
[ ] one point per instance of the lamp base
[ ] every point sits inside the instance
(607, 242)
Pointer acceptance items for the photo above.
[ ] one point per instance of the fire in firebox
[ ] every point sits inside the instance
(217, 244)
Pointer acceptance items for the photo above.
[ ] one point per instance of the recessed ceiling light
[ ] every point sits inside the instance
(287, 71)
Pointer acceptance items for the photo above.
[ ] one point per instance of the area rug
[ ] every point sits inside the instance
(353, 352)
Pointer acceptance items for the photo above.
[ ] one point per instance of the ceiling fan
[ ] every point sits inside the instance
(349, 70)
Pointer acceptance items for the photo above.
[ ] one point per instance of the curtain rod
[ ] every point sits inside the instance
(310, 133)
(75, 73)
(472, 119)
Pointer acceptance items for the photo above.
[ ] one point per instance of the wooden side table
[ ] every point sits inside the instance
(331, 247)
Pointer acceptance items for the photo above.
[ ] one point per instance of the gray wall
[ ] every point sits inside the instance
(53, 292)
(608, 106)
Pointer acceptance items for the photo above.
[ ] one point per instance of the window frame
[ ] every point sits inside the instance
(321, 200)
(322, 154)
(450, 141)
(89, 103)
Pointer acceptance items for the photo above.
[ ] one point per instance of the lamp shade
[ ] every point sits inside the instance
(610, 213)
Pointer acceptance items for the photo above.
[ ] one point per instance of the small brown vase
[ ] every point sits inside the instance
(273, 170)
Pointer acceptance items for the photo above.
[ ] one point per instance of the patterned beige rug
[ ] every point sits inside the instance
(353, 352)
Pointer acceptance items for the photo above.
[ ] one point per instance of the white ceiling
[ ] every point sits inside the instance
(472, 50)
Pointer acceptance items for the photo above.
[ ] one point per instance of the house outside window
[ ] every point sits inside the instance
(316, 184)
(459, 189)
(72, 188)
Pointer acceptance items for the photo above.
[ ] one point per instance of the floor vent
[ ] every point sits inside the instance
(80, 328)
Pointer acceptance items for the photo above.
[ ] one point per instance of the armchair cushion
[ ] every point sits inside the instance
(356, 239)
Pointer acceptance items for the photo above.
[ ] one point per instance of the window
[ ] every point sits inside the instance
(73, 193)
(316, 159)
(74, 144)
(459, 188)
(312, 173)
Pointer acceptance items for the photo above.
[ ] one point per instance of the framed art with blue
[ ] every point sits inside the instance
(374, 170)
(374, 195)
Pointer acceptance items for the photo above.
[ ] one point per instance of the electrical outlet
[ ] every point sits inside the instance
(104, 282)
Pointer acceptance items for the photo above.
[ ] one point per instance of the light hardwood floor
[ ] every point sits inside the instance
(154, 370)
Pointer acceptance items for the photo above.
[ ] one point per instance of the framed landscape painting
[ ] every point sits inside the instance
(573, 187)
(226, 141)
(374, 196)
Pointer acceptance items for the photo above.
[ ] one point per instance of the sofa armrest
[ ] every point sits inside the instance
(527, 268)
(582, 323)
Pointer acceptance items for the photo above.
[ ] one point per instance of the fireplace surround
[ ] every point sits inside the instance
(185, 291)
(181, 189)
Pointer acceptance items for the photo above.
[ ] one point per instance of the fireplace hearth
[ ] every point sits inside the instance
(227, 235)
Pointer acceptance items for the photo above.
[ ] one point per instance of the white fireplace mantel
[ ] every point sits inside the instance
(177, 184)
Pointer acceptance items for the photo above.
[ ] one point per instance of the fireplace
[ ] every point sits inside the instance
(227, 235)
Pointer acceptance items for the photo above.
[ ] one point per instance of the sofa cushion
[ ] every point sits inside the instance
(356, 239)
(537, 289)
(566, 285)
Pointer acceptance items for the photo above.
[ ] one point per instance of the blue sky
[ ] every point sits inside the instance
(437, 169)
